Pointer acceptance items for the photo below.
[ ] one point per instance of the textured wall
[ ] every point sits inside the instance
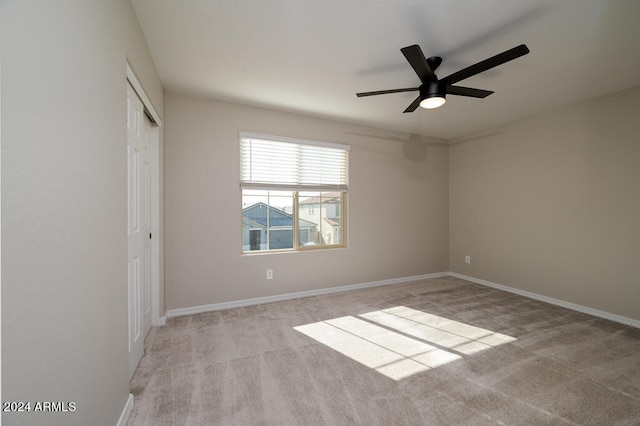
(64, 199)
(550, 204)
(397, 212)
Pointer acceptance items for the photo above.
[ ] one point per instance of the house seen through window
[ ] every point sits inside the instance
(293, 193)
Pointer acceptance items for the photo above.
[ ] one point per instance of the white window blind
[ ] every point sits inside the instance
(269, 162)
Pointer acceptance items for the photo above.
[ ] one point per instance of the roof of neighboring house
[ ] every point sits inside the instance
(327, 198)
(333, 221)
(255, 216)
(251, 224)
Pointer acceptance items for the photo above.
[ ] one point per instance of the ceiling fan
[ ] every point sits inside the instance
(433, 91)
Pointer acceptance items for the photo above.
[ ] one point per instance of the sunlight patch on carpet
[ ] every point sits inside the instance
(399, 342)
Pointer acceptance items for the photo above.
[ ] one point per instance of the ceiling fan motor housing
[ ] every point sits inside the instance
(433, 89)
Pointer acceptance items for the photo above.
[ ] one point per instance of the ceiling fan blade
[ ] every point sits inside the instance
(468, 91)
(413, 105)
(384, 92)
(419, 63)
(487, 64)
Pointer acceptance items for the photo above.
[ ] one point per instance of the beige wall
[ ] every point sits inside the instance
(64, 198)
(551, 204)
(397, 216)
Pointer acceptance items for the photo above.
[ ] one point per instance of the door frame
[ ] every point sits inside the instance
(156, 151)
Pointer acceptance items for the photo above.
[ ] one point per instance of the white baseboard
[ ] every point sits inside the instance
(160, 321)
(584, 309)
(297, 295)
(128, 408)
(288, 296)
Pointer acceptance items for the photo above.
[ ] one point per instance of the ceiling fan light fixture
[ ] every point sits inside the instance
(433, 102)
(432, 94)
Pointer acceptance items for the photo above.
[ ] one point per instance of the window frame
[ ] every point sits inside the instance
(296, 190)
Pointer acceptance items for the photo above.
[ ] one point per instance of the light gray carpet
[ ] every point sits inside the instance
(442, 351)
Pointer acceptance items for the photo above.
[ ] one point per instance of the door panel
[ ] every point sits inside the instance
(138, 227)
(145, 304)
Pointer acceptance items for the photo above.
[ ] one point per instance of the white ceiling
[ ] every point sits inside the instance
(311, 57)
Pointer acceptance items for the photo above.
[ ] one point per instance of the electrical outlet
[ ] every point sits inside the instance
(269, 274)
(467, 260)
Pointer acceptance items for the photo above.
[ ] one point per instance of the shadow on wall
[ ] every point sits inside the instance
(414, 148)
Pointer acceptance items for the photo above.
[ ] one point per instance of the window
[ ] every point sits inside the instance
(293, 193)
